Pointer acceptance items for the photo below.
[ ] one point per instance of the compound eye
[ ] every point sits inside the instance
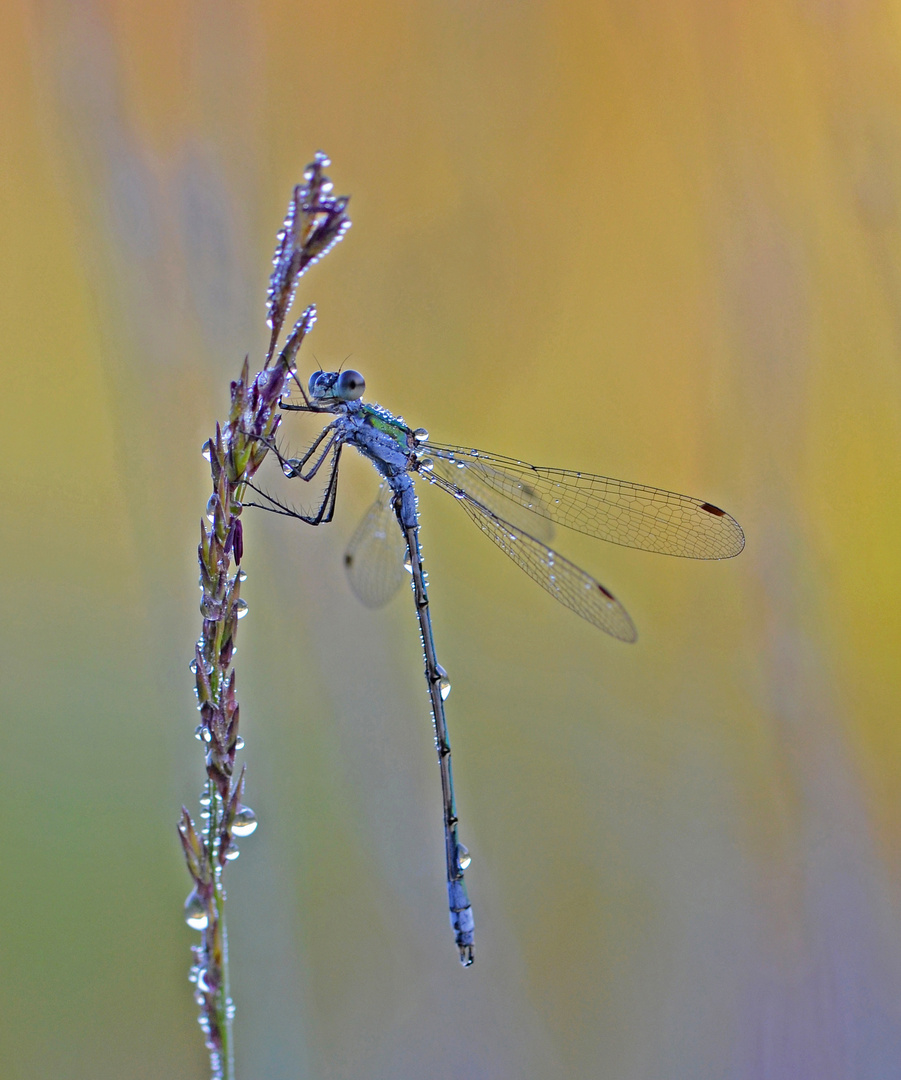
(315, 379)
(350, 386)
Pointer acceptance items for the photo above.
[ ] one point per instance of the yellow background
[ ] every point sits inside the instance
(657, 240)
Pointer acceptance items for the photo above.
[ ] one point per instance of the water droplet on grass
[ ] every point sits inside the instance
(245, 822)
(195, 912)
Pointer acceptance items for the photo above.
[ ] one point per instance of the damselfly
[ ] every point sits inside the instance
(516, 505)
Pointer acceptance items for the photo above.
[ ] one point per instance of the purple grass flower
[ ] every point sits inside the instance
(315, 222)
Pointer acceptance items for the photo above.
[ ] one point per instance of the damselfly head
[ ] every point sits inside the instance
(340, 385)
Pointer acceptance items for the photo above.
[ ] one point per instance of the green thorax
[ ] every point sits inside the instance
(384, 421)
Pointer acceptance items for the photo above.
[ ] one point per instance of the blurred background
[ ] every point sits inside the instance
(654, 240)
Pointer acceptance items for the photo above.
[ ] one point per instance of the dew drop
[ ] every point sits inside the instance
(205, 799)
(195, 912)
(240, 576)
(245, 822)
(444, 688)
(420, 435)
(463, 856)
(239, 743)
(198, 732)
(206, 735)
(202, 985)
(229, 1009)
(240, 608)
(232, 852)
(192, 667)
(207, 450)
(426, 464)
(408, 563)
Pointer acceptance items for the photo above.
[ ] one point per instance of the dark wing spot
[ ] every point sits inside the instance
(606, 592)
(711, 509)
(348, 559)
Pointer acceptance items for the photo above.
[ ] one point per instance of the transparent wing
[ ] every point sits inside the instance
(374, 559)
(522, 506)
(632, 515)
(573, 587)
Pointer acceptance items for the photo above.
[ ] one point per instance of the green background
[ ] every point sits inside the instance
(657, 240)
